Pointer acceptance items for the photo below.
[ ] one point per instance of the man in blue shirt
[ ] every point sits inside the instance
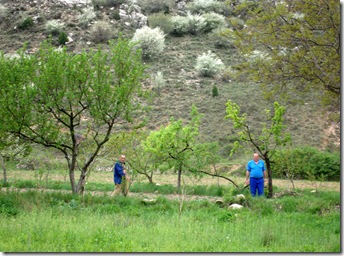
(120, 177)
(255, 174)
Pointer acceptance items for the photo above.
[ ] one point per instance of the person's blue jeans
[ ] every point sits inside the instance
(257, 184)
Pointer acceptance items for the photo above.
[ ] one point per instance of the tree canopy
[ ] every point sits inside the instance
(291, 46)
(70, 101)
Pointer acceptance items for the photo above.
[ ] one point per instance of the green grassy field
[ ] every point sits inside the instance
(37, 221)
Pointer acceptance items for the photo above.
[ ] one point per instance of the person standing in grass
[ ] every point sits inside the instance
(120, 177)
(255, 175)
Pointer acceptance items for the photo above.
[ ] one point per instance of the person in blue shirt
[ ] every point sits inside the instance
(255, 175)
(120, 177)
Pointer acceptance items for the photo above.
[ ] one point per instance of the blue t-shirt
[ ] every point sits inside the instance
(256, 169)
(118, 173)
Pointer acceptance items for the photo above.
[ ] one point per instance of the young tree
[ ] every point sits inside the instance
(291, 46)
(270, 137)
(61, 100)
(11, 148)
(130, 144)
(175, 142)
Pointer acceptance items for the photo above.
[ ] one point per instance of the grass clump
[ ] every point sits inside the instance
(101, 32)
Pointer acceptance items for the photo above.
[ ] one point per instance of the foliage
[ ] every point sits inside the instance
(26, 23)
(158, 81)
(87, 15)
(161, 20)
(151, 41)
(196, 23)
(208, 64)
(215, 91)
(70, 102)
(180, 25)
(222, 37)
(302, 161)
(204, 6)
(174, 142)
(155, 6)
(213, 21)
(63, 38)
(300, 42)
(101, 32)
(270, 137)
(54, 27)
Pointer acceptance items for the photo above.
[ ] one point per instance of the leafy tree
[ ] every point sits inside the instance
(11, 148)
(175, 142)
(62, 100)
(204, 160)
(270, 137)
(130, 144)
(291, 46)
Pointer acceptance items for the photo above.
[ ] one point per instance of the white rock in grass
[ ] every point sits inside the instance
(240, 197)
(149, 201)
(235, 207)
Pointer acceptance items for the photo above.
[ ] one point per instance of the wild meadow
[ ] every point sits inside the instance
(38, 220)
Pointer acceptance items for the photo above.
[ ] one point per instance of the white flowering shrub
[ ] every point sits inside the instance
(196, 23)
(213, 21)
(208, 64)
(88, 14)
(151, 41)
(54, 26)
(204, 6)
(187, 24)
(158, 81)
(180, 25)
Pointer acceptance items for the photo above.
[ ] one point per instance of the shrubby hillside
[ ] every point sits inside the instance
(191, 66)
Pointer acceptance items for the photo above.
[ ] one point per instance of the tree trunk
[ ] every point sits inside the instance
(268, 167)
(179, 177)
(4, 168)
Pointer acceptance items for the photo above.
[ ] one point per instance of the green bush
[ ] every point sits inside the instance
(155, 6)
(301, 162)
(215, 91)
(63, 38)
(26, 23)
(162, 21)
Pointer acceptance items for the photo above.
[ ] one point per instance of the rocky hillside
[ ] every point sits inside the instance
(25, 22)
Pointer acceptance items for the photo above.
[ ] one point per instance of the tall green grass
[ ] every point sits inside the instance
(56, 222)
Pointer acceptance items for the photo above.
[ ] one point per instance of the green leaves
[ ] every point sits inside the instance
(300, 42)
(60, 99)
(271, 134)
